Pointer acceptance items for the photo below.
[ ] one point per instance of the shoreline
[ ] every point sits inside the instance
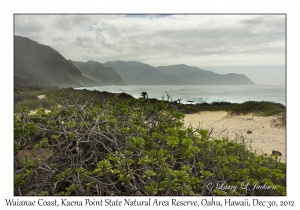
(203, 94)
(267, 133)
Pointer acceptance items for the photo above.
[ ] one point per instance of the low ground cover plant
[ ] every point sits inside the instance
(264, 108)
(134, 148)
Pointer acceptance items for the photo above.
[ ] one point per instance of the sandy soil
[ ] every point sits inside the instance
(34, 111)
(41, 96)
(35, 153)
(268, 133)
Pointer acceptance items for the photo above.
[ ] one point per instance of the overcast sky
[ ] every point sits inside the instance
(210, 41)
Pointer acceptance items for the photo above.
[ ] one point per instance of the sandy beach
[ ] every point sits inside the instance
(267, 133)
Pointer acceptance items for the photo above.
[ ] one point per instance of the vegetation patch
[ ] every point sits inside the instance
(215, 106)
(133, 147)
(29, 97)
(264, 108)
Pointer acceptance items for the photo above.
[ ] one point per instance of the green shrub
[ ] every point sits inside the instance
(54, 96)
(135, 148)
(265, 108)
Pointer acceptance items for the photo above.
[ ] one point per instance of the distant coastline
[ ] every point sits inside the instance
(202, 93)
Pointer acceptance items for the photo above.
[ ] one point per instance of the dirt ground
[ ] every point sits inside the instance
(263, 133)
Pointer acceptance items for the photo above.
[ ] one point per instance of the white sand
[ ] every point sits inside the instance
(267, 132)
(31, 112)
(41, 96)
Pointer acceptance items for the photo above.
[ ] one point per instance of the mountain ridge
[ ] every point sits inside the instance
(38, 65)
(197, 76)
(96, 70)
(138, 73)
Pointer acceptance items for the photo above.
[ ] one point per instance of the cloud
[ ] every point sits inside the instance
(26, 24)
(69, 22)
(196, 40)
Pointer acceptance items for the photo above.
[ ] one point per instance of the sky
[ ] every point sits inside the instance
(253, 45)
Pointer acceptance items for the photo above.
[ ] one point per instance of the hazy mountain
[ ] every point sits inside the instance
(40, 65)
(137, 73)
(196, 76)
(99, 72)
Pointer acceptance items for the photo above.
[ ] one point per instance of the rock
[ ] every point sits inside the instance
(274, 152)
(249, 132)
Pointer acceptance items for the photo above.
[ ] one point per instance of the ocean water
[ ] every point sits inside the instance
(203, 93)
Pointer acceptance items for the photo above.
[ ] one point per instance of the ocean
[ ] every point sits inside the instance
(203, 93)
